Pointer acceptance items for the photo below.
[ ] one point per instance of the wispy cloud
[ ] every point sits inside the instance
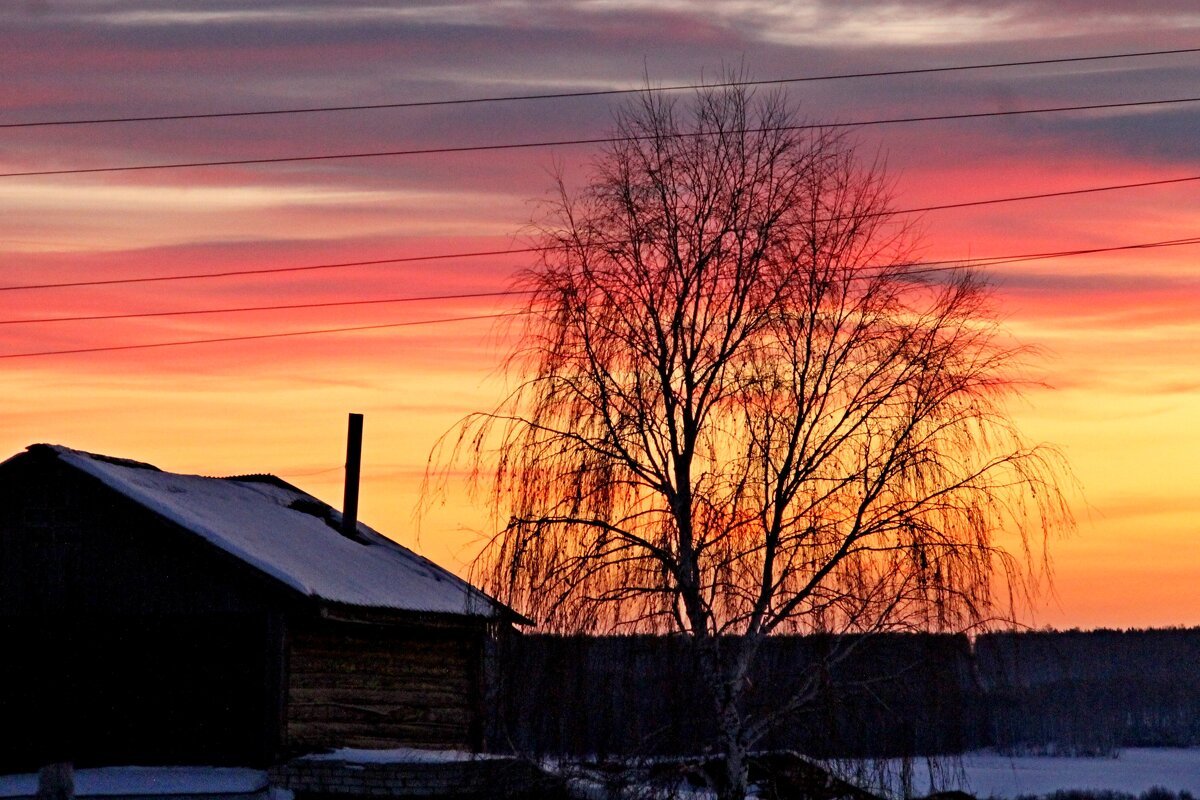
(1121, 330)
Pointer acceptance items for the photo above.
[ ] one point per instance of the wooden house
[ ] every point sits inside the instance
(148, 617)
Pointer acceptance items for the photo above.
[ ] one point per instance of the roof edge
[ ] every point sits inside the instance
(479, 604)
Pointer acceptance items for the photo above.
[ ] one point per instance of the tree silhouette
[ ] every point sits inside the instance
(738, 412)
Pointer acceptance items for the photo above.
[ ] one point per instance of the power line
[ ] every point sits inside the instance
(993, 261)
(253, 337)
(241, 162)
(265, 271)
(1038, 196)
(526, 250)
(909, 268)
(289, 306)
(590, 93)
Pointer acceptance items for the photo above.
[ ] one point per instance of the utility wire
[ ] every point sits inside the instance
(1022, 197)
(911, 268)
(925, 267)
(253, 337)
(592, 93)
(289, 306)
(526, 250)
(425, 151)
(266, 271)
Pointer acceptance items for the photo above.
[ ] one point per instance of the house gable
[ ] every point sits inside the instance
(288, 535)
(158, 618)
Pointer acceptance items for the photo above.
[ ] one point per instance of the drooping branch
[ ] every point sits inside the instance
(738, 413)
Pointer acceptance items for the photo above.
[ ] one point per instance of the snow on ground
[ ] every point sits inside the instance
(399, 755)
(985, 774)
(148, 781)
(1134, 770)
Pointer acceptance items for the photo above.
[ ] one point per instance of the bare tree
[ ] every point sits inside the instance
(739, 412)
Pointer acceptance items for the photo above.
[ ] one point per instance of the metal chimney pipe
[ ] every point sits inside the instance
(353, 469)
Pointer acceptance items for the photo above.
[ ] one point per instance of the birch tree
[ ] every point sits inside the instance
(740, 411)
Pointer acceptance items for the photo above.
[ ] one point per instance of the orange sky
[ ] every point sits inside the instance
(1121, 331)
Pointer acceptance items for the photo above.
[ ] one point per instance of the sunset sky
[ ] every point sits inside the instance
(1119, 331)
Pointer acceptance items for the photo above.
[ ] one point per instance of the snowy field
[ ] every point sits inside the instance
(984, 775)
(1134, 771)
(148, 781)
(399, 755)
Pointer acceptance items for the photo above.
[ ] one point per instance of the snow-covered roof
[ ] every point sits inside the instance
(291, 536)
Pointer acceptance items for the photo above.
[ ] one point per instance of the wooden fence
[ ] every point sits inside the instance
(894, 695)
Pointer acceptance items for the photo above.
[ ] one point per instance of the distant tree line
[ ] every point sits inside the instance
(893, 695)
(1090, 692)
(1154, 793)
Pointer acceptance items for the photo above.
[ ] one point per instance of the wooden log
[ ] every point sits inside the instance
(452, 685)
(352, 687)
(378, 657)
(376, 681)
(433, 695)
(358, 735)
(334, 713)
(383, 669)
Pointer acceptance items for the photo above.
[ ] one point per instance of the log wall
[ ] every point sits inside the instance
(382, 687)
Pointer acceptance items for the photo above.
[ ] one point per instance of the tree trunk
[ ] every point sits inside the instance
(56, 782)
(734, 778)
(727, 678)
